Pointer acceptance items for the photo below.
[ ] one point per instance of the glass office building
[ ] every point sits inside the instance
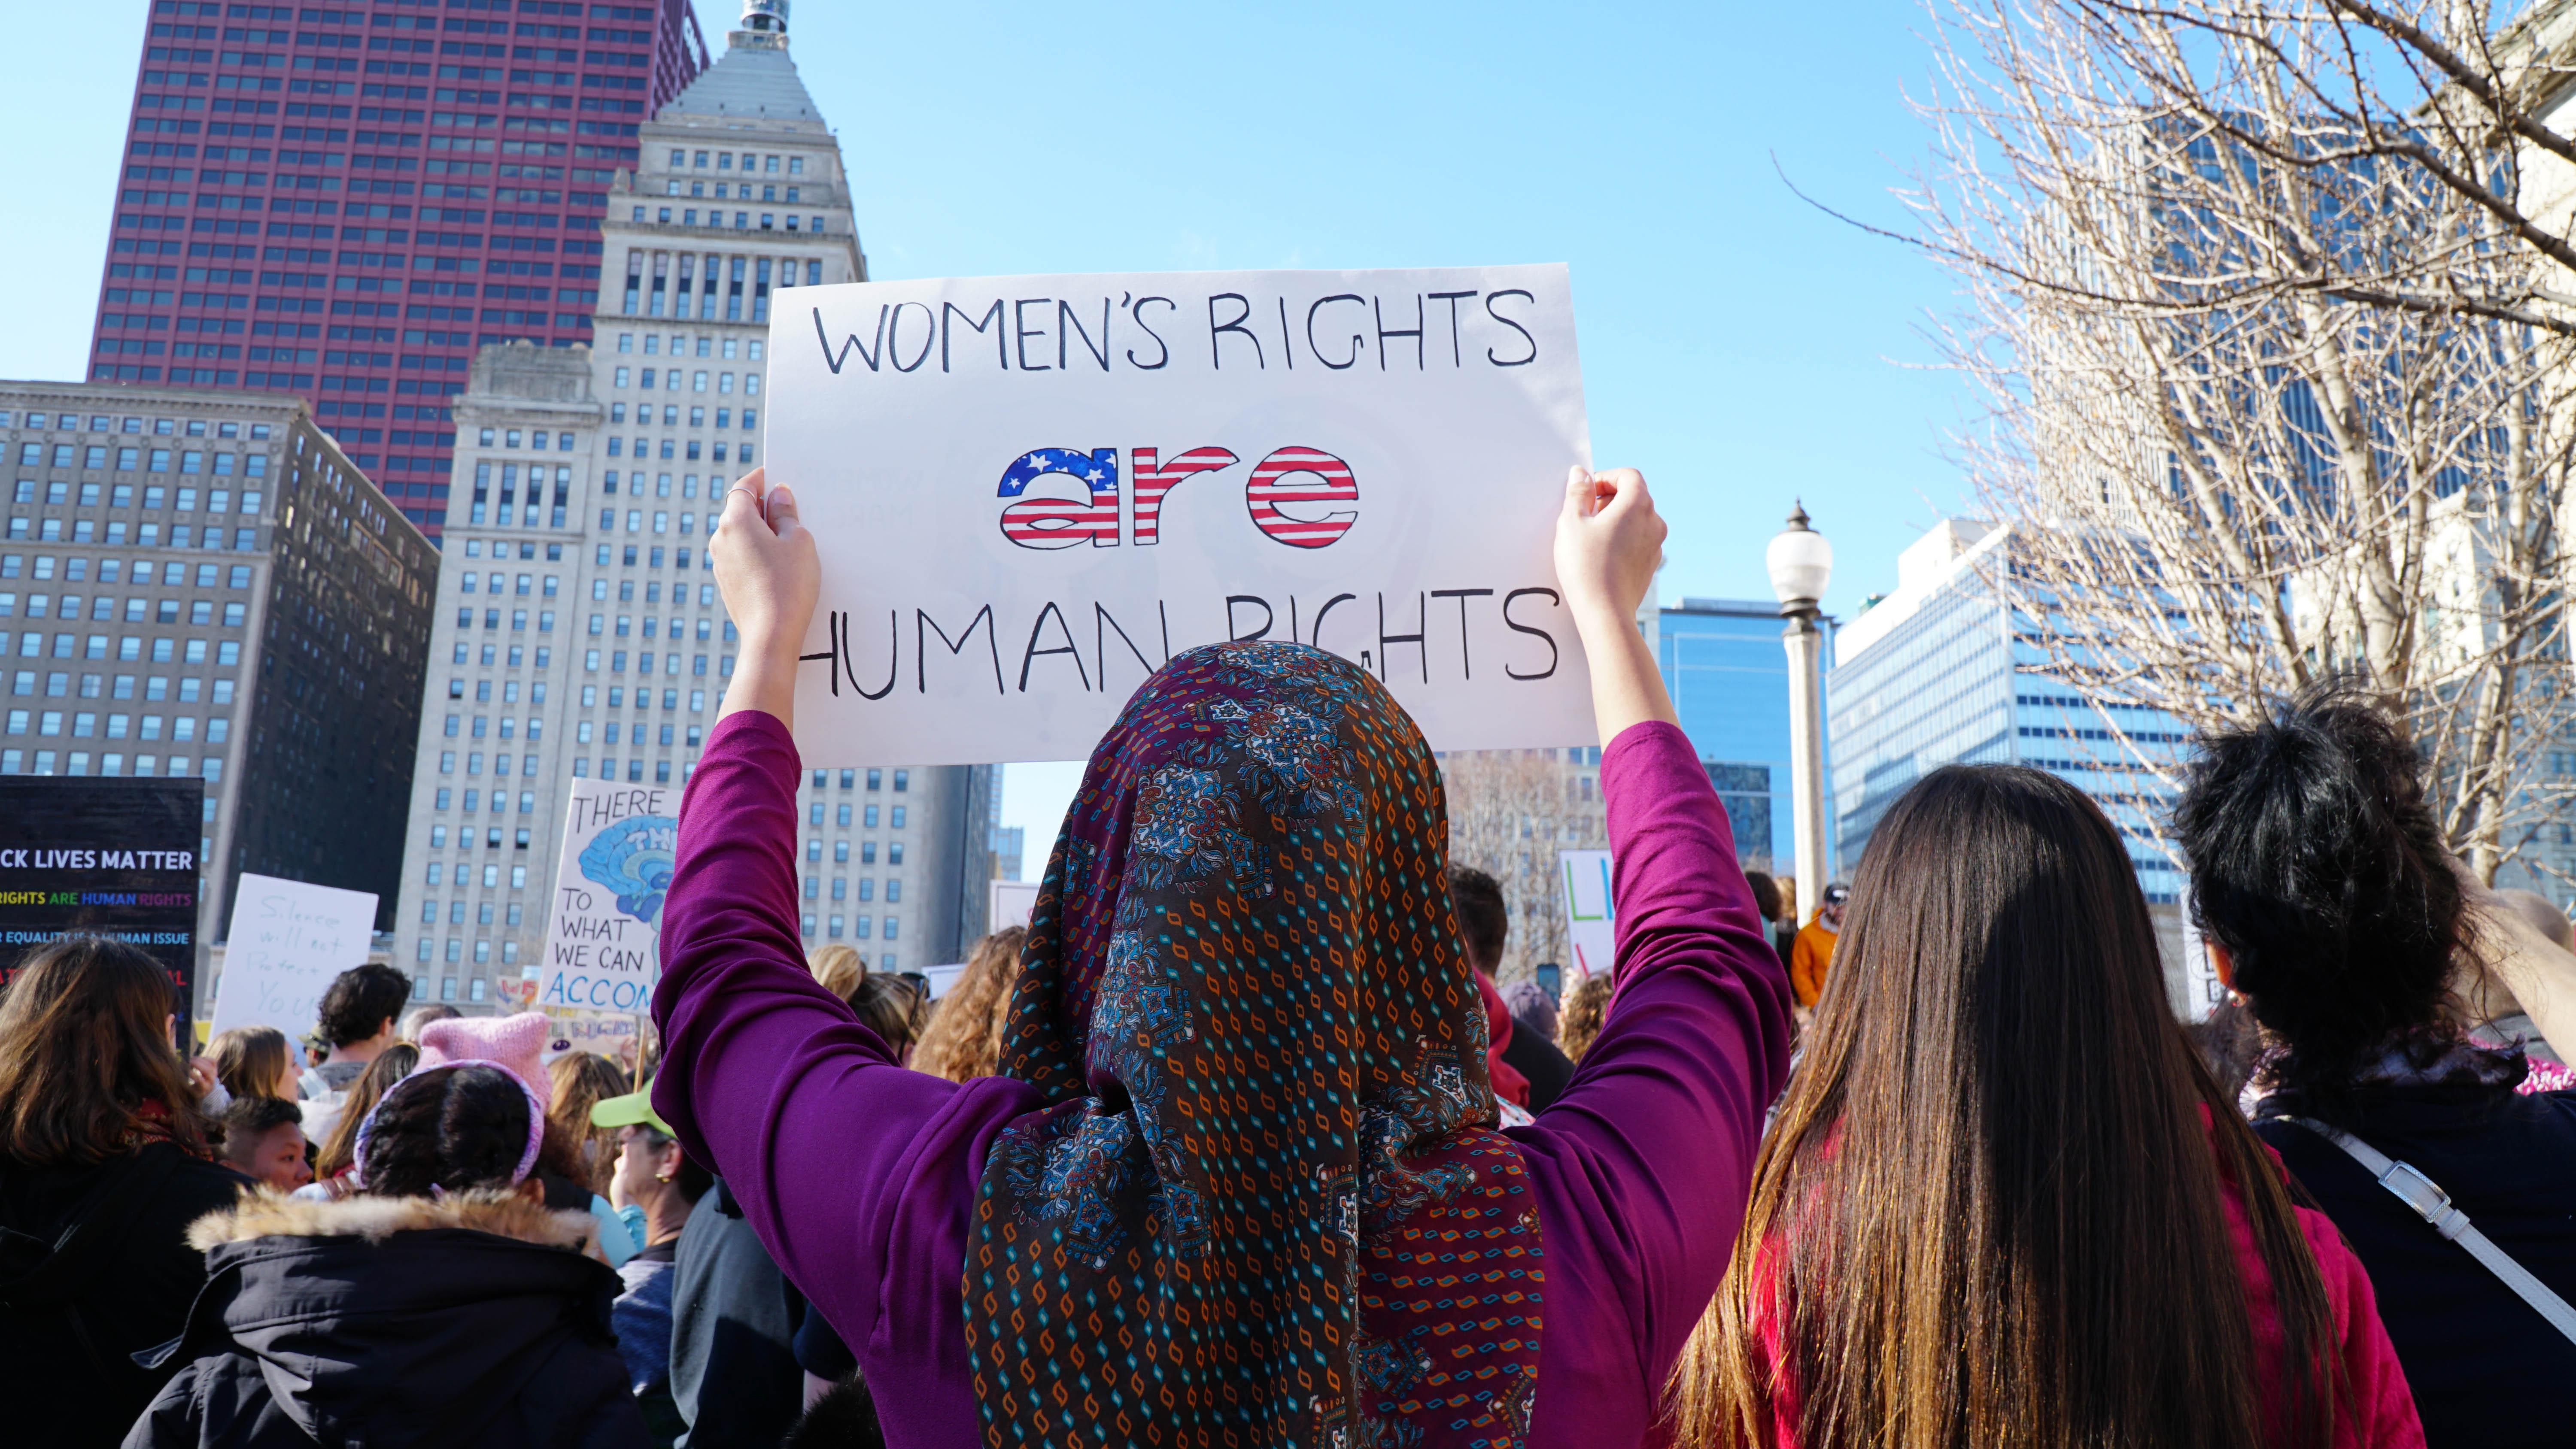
(1942, 672)
(1723, 663)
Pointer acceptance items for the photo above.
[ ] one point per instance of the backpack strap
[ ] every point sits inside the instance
(60, 1270)
(2435, 1207)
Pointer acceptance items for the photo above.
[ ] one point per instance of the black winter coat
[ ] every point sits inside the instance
(95, 1267)
(388, 1323)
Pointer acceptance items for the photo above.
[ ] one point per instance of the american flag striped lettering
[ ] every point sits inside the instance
(1154, 478)
(1325, 479)
(1059, 522)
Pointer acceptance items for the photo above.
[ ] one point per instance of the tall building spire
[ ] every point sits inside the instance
(765, 15)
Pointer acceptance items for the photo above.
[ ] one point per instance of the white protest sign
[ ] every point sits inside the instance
(1030, 492)
(601, 945)
(1591, 914)
(1009, 903)
(287, 940)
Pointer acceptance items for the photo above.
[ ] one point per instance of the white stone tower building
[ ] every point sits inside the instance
(578, 634)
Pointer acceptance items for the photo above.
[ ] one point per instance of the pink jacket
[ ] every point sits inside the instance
(2378, 1411)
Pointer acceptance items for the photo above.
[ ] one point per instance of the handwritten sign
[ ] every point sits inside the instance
(609, 1033)
(1591, 915)
(602, 941)
(287, 940)
(1032, 491)
(1009, 903)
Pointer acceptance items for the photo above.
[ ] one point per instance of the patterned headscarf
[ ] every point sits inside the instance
(1268, 1205)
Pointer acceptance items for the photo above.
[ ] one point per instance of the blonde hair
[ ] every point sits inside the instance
(581, 1081)
(249, 1060)
(1580, 1021)
(964, 1040)
(840, 968)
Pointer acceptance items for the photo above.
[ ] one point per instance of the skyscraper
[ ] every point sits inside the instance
(578, 631)
(1729, 679)
(197, 583)
(1943, 671)
(344, 203)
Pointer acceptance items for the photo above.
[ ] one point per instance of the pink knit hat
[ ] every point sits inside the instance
(511, 1042)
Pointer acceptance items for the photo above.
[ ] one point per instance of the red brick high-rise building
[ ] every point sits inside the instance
(345, 202)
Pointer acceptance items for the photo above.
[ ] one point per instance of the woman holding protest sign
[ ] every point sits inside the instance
(1239, 1127)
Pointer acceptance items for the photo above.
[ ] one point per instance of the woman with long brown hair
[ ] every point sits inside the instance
(2003, 1202)
(964, 1038)
(103, 1164)
(338, 1159)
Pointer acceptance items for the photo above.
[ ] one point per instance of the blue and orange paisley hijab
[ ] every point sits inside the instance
(1267, 1206)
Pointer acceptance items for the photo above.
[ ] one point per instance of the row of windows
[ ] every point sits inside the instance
(643, 697)
(156, 687)
(867, 889)
(501, 765)
(867, 853)
(492, 652)
(481, 722)
(164, 650)
(741, 222)
(132, 459)
(671, 419)
(645, 663)
(103, 607)
(678, 630)
(536, 439)
(84, 530)
(157, 427)
(724, 161)
(692, 450)
(465, 841)
(501, 549)
(669, 379)
(465, 877)
(842, 816)
(518, 619)
(76, 762)
(2069, 732)
(85, 725)
(76, 569)
(218, 500)
(741, 192)
(876, 781)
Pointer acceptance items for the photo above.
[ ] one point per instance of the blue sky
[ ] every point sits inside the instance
(1739, 347)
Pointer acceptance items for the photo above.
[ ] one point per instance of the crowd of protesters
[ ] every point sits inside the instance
(1242, 1141)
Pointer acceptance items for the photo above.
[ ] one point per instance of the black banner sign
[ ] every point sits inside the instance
(109, 857)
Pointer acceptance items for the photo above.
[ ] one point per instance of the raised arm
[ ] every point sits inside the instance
(858, 1174)
(1652, 1144)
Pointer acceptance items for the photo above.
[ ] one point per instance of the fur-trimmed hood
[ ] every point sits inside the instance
(264, 1214)
(399, 1322)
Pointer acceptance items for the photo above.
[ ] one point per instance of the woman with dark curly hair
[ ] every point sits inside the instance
(2320, 879)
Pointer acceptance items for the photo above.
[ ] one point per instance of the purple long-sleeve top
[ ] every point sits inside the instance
(861, 1176)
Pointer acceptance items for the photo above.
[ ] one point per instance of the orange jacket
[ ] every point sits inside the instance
(1810, 957)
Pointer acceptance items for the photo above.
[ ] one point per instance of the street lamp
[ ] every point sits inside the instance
(1800, 562)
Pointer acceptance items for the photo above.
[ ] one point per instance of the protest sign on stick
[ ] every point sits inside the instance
(286, 941)
(1030, 492)
(1591, 915)
(602, 943)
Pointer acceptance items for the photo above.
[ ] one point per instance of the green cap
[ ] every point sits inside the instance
(635, 1109)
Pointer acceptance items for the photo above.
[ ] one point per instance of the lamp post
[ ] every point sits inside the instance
(1800, 562)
